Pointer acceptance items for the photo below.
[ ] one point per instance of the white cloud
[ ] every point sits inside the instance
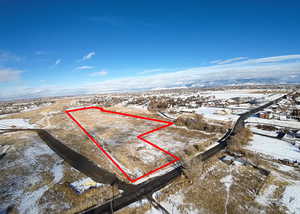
(220, 61)
(246, 61)
(8, 75)
(250, 69)
(156, 70)
(84, 67)
(58, 61)
(279, 68)
(276, 58)
(100, 73)
(6, 56)
(88, 56)
(152, 70)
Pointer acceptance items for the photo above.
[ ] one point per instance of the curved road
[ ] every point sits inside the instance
(78, 161)
(132, 192)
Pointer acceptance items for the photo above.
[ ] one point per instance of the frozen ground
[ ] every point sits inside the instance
(261, 131)
(15, 123)
(118, 136)
(274, 148)
(227, 94)
(38, 169)
(266, 197)
(227, 181)
(212, 113)
(291, 197)
(35, 160)
(291, 124)
(174, 205)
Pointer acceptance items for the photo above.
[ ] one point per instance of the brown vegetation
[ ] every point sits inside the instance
(240, 139)
(157, 105)
(266, 127)
(196, 121)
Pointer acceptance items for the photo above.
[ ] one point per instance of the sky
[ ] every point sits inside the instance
(63, 47)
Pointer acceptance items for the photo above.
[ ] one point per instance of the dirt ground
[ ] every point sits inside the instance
(30, 171)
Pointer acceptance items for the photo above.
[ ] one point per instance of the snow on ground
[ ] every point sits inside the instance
(227, 94)
(138, 107)
(227, 181)
(168, 141)
(156, 173)
(15, 123)
(274, 147)
(291, 197)
(4, 149)
(29, 200)
(57, 172)
(35, 107)
(284, 168)
(211, 113)
(261, 131)
(265, 198)
(291, 124)
(147, 156)
(173, 204)
(31, 160)
(138, 203)
(45, 121)
(84, 184)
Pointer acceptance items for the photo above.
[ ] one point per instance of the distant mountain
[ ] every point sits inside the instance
(230, 82)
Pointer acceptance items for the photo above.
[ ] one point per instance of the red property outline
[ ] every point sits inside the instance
(139, 137)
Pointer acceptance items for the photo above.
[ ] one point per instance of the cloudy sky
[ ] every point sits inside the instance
(60, 47)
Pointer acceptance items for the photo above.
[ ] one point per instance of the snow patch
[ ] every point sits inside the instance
(16, 123)
(173, 204)
(266, 197)
(278, 149)
(291, 198)
(85, 184)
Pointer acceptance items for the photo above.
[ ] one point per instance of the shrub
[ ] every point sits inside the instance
(157, 105)
(196, 121)
(238, 140)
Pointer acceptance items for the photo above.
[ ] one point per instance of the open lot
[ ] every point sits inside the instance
(213, 186)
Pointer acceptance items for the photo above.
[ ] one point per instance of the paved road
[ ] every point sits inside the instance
(133, 193)
(144, 189)
(78, 161)
(149, 187)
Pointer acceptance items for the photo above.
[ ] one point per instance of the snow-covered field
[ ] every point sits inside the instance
(291, 197)
(275, 148)
(15, 123)
(290, 124)
(174, 205)
(227, 94)
(266, 197)
(212, 113)
(31, 161)
(260, 131)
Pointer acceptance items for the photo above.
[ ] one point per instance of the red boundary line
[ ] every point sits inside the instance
(139, 137)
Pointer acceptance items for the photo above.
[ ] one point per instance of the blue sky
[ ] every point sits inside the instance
(57, 47)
